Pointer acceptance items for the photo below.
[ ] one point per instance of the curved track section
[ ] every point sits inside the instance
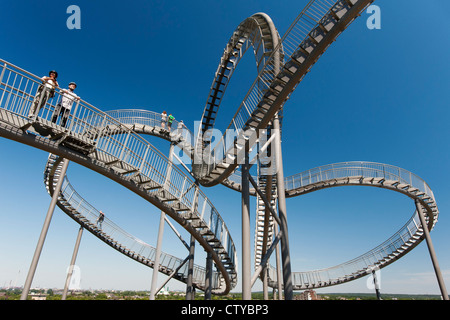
(149, 123)
(317, 26)
(100, 143)
(373, 175)
(257, 31)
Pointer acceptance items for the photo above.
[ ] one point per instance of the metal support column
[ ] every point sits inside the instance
(157, 256)
(72, 263)
(40, 244)
(190, 290)
(278, 264)
(246, 252)
(190, 293)
(376, 284)
(265, 284)
(208, 280)
(437, 269)
(267, 213)
(160, 233)
(286, 259)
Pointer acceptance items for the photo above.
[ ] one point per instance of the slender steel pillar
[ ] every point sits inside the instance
(278, 264)
(208, 280)
(286, 259)
(267, 213)
(40, 244)
(376, 284)
(157, 256)
(434, 260)
(72, 263)
(190, 290)
(277, 149)
(246, 253)
(154, 285)
(190, 293)
(265, 284)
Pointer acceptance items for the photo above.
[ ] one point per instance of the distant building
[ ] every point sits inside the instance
(38, 296)
(307, 295)
(164, 291)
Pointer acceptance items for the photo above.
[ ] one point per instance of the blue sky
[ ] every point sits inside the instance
(375, 95)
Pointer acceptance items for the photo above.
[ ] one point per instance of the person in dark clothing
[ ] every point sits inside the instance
(45, 91)
(100, 219)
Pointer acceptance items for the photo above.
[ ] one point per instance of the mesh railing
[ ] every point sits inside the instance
(356, 169)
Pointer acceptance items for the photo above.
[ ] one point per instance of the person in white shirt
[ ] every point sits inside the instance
(65, 104)
(180, 127)
(163, 120)
(45, 91)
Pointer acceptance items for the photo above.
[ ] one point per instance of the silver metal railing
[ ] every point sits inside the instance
(113, 141)
(360, 266)
(355, 169)
(148, 118)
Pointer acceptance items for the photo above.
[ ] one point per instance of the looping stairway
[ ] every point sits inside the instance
(110, 143)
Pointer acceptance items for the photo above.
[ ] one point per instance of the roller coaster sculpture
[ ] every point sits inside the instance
(111, 144)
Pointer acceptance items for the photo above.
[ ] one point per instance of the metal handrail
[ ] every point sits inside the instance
(146, 117)
(356, 168)
(388, 251)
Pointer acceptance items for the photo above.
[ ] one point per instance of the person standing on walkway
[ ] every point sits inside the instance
(45, 91)
(163, 120)
(65, 104)
(180, 127)
(170, 121)
(100, 219)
